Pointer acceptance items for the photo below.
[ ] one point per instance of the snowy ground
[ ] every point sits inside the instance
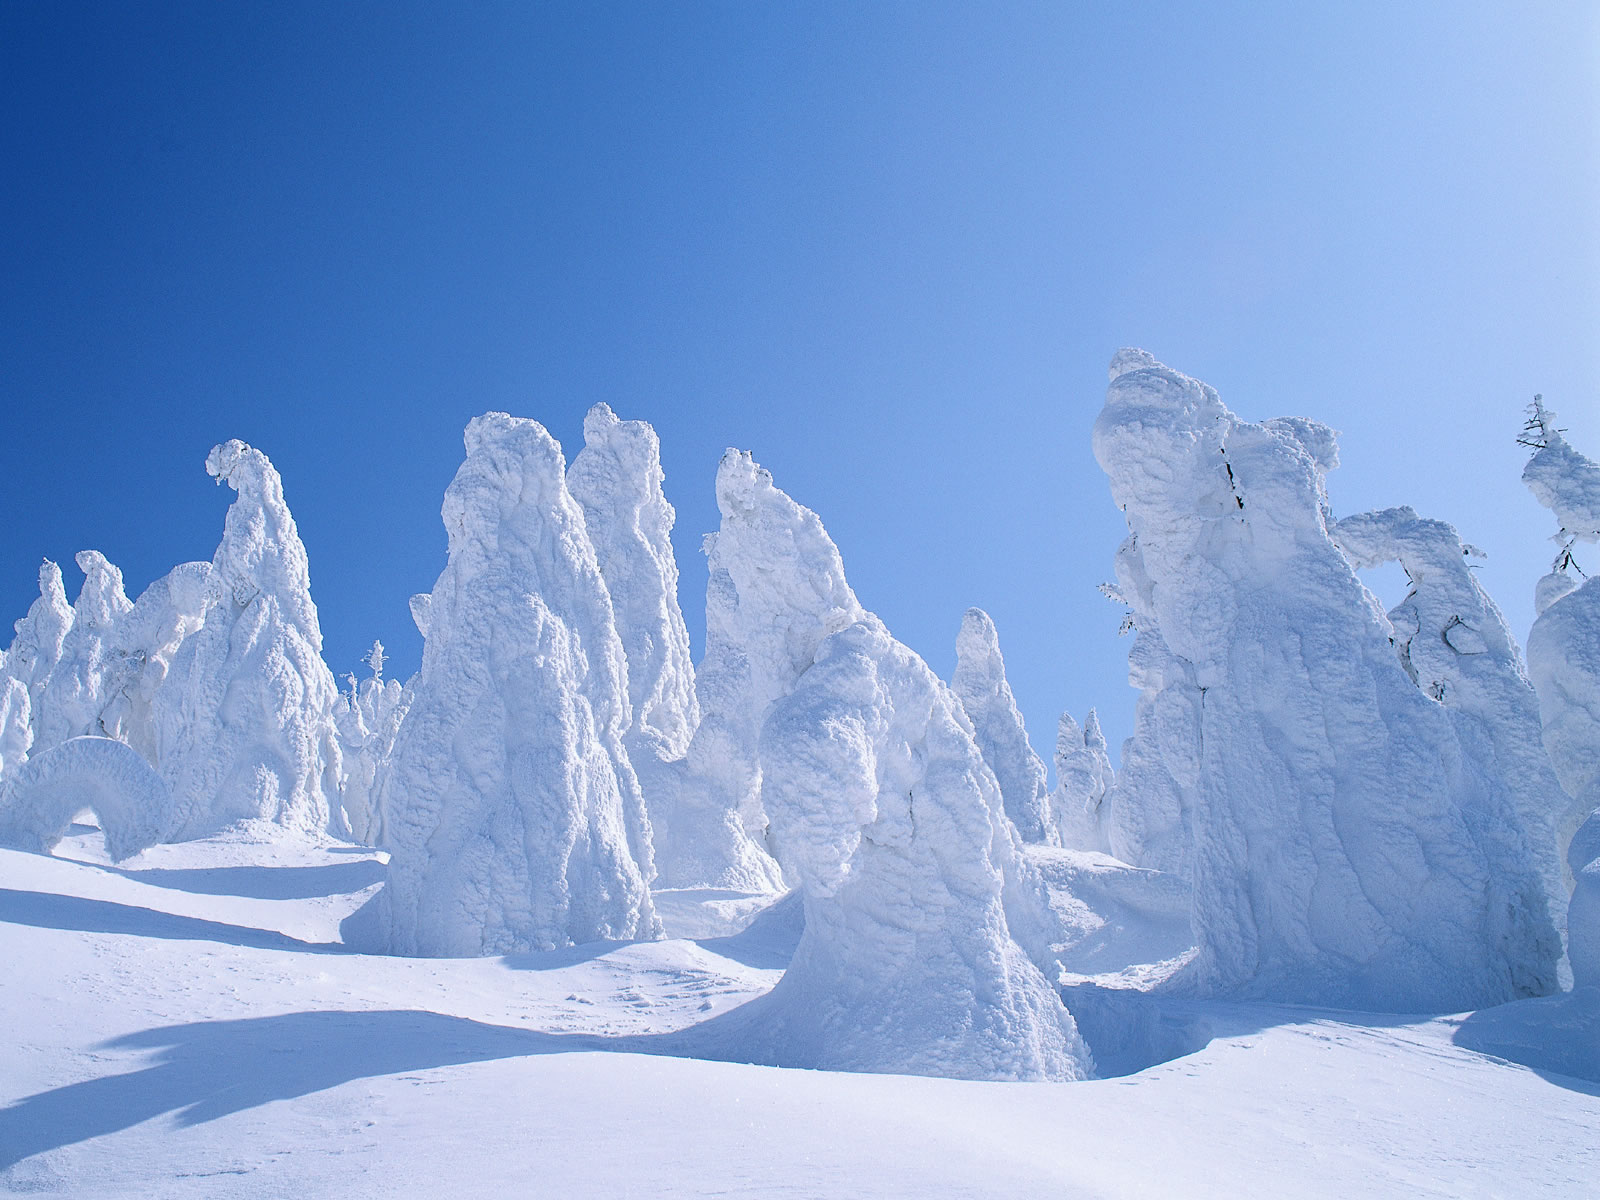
(187, 1024)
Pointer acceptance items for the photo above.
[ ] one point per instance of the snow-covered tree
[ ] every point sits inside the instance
(77, 690)
(980, 684)
(1347, 846)
(1083, 778)
(512, 814)
(36, 648)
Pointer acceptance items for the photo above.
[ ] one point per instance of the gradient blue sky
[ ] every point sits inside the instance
(889, 248)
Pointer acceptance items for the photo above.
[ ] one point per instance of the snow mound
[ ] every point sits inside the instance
(980, 684)
(247, 702)
(1347, 848)
(883, 809)
(1083, 778)
(512, 814)
(37, 804)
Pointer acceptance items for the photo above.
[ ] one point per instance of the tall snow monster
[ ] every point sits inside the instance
(1352, 843)
(514, 819)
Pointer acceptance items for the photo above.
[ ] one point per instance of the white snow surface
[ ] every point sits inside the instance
(885, 811)
(186, 1025)
(980, 683)
(1347, 847)
(512, 813)
(246, 705)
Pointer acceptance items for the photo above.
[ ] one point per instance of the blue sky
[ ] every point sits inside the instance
(889, 248)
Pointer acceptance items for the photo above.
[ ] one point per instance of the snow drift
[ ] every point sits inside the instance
(1348, 848)
(513, 816)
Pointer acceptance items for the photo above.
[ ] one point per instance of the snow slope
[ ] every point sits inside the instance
(186, 1027)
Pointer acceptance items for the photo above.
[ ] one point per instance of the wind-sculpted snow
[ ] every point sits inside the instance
(885, 812)
(980, 683)
(777, 588)
(1455, 646)
(1348, 849)
(617, 478)
(1083, 778)
(38, 802)
(247, 702)
(77, 688)
(512, 814)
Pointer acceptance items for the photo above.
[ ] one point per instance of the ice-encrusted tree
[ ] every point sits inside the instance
(980, 683)
(514, 820)
(1564, 664)
(368, 717)
(1454, 644)
(16, 725)
(77, 691)
(1348, 849)
(924, 921)
(40, 798)
(247, 704)
(1083, 778)
(40, 635)
(776, 589)
(617, 478)
(1146, 815)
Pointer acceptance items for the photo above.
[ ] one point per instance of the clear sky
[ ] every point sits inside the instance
(889, 248)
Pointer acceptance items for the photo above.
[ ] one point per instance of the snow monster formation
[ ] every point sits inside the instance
(36, 648)
(514, 819)
(368, 718)
(78, 687)
(1564, 663)
(247, 704)
(883, 810)
(1351, 845)
(1455, 646)
(38, 801)
(980, 683)
(699, 839)
(1083, 778)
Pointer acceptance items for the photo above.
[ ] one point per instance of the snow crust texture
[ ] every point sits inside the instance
(513, 816)
(1348, 846)
(980, 683)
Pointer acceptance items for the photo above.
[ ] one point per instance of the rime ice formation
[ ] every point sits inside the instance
(1347, 848)
(980, 683)
(776, 590)
(1564, 644)
(38, 802)
(77, 689)
(511, 809)
(886, 814)
(251, 701)
(39, 637)
(1083, 778)
(1145, 815)
(16, 724)
(617, 478)
(1455, 646)
(139, 709)
(368, 717)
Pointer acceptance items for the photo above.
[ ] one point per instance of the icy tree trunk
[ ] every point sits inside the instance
(980, 683)
(884, 810)
(512, 811)
(247, 705)
(1347, 847)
